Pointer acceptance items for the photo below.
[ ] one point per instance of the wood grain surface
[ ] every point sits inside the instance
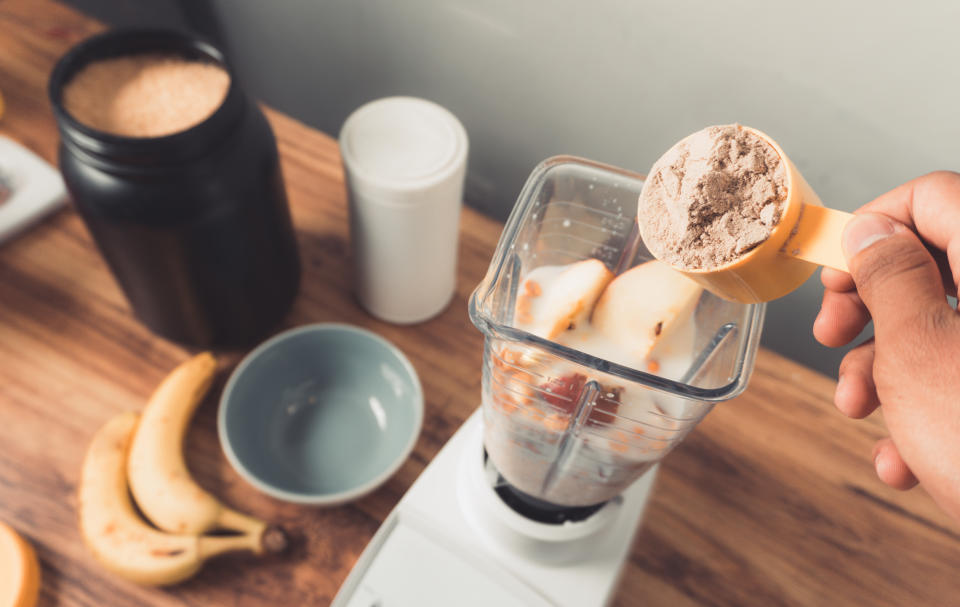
(771, 501)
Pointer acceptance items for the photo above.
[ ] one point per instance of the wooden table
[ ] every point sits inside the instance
(771, 501)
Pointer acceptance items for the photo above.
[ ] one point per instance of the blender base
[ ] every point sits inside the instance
(537, 509)
(452, 541)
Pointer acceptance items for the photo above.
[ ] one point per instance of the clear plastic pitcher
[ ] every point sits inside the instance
(560, 425)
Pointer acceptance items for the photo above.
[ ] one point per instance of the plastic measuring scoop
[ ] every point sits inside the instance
(808, 235)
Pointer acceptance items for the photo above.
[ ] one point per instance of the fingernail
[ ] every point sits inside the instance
(864, 230)
(818, 320)
(838, 394)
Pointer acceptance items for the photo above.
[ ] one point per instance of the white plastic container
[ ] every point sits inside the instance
(405, 160)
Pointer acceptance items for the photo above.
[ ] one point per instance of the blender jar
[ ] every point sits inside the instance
(564, 427)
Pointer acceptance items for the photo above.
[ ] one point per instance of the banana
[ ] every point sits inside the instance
(643, 306)
(159, 479)
(565, 302)
(119, 539)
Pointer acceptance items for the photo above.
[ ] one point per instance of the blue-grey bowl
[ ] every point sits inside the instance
(321, 414)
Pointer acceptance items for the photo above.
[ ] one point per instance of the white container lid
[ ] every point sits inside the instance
(398, 148)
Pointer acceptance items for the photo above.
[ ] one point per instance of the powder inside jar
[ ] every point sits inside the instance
(712, 198)
(147, 95)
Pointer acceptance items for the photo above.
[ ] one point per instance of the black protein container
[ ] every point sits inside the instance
(195, 225)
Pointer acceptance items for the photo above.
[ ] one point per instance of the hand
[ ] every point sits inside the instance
(911, 368)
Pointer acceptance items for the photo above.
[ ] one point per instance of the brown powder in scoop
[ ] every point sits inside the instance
(147, 95)
(712, 198)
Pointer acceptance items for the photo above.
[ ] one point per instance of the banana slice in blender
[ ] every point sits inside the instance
(643, 306)
(563, 303)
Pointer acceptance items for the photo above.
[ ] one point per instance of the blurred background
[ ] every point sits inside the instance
(862, 95)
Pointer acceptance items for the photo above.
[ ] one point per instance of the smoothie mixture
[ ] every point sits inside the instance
(641, 319)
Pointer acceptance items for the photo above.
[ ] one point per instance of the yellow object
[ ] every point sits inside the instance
(19, 570)
(119, 539)
(159, 478)
(808, 235)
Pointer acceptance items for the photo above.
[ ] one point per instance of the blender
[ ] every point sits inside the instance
(537, 498)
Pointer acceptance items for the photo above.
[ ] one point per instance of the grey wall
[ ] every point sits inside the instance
(862, 95)
(162, 13)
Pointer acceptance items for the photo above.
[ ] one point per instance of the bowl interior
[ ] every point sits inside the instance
(322, 410)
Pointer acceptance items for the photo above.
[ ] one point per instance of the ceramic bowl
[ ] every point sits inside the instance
(321, 414)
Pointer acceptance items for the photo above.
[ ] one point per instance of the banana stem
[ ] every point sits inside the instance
(235, 521)
(212, 545)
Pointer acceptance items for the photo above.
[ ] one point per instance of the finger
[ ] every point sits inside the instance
(930, 206)
(856, 394)
(945, 273)
(835, 280)
(896, 276)
(842, 281)
(842, 317)
(890, 467)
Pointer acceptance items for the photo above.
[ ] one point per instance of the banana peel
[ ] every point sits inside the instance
(142, 456)
(120, 540)
(159, 479)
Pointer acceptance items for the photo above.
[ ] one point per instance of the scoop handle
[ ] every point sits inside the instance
(818, 236)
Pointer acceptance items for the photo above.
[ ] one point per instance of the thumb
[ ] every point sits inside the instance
(896, 276)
